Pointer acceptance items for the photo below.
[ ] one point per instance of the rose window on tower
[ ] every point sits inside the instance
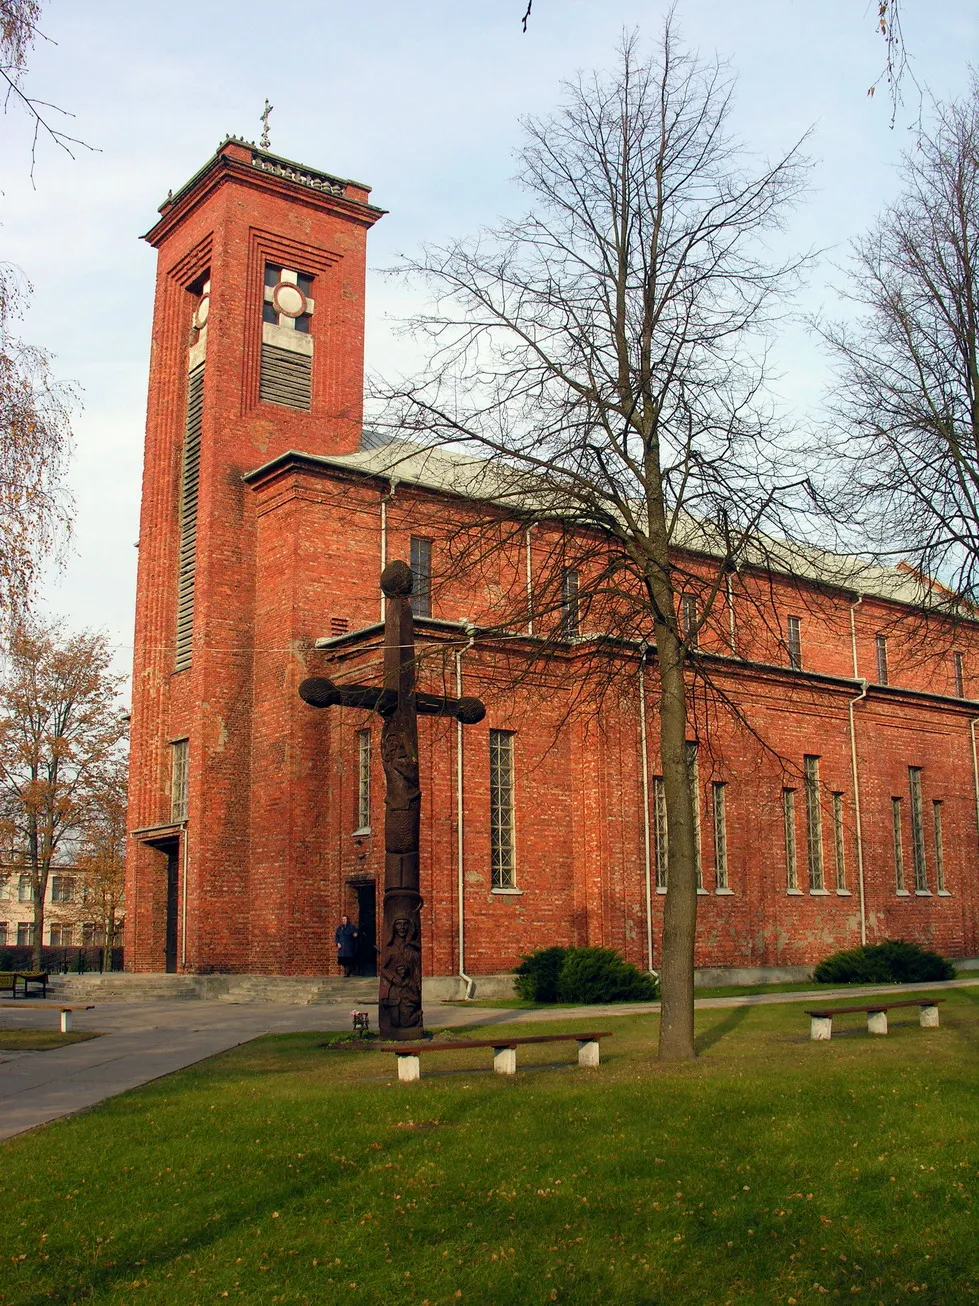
(287, 346)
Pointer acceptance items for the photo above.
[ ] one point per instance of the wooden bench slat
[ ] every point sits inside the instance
(411, 1048)
(825, 1013)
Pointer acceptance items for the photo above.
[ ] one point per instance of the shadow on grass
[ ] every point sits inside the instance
(732, 1019)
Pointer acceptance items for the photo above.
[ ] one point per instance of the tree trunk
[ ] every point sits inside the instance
(680, 916)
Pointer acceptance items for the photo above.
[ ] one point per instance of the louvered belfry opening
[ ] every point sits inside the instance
(285, 378)
(189, 486)
(285, 375)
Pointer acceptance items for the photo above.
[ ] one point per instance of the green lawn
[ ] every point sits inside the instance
(40, 1040)
(771, 1170)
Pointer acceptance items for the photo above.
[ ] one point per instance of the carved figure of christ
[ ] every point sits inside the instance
(397, 703)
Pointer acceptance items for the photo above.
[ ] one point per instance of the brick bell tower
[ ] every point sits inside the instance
(258, 342)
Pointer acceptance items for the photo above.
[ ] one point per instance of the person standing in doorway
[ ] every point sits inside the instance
(346, 940)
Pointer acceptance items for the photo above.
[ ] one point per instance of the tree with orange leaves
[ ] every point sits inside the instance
(62, 733)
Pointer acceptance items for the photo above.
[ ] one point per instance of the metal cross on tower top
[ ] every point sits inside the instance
(397, 703)
(264, 142)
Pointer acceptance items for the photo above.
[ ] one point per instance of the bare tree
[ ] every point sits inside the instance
(35, 442)
(907, 397)
(19, 32)
(604, 357)
(61, 731)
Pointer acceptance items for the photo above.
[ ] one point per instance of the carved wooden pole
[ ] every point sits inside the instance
(400, 968)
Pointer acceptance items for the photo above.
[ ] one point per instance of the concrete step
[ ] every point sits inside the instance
(286, 990)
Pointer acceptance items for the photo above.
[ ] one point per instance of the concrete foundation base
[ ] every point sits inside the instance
(928, 1017)
(876, 1022)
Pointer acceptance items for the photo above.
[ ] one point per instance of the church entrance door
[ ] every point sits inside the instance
(170, 951)
(366, 928)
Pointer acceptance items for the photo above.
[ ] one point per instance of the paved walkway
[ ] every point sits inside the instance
(144, 1040)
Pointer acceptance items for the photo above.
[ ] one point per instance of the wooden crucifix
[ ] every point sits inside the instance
(397, 703)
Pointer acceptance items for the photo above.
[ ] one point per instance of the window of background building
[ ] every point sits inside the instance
(936, 808)
(25, 890)
(958, 663)
(6, 891)
(838, 848)
(661, 833)
(898, 839)
(719, 812)
(421, 571)
(61, 936)
(917, 831)
(502, 860)
(814, 825)
(569, 604)
(363, 781)
(179, 773)
(3, 933)
(25, 934)
(882, 660)
(788, 821)
(62, 888)
(793, 640)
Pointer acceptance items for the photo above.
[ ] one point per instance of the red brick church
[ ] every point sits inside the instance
(838, 803)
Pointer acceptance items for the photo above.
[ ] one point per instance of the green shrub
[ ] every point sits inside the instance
(892, 962)
(600, 975)
(537, 975)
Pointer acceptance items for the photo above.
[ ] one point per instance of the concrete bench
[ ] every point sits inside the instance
(821, 1019)
(9, 980)
(64, 1008)
(504, 1051)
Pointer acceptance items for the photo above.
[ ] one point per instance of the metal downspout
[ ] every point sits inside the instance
(460, 828)
(384, 532)
(647, 862)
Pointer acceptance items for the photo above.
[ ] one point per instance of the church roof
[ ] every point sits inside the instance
(455, 472)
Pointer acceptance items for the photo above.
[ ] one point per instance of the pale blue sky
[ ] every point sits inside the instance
(418, 98)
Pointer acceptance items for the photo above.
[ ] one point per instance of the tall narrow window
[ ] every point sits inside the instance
(25, 934)
(838, 848)
(179, 768)
(501, 810)
(3, 934)
(882, 660)
(569, 604)
(814, 825)
(898, 838)
(917, 831)
(25, 889)
(958, 663)
(719, 811)
(788, 821)
(421, 572)
(688, 611)
(694, 772)
(363, 780)
(793, 641)
(936, 808)
(662, 833)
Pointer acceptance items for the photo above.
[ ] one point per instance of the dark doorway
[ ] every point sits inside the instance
(171, 931)
(366, 928)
